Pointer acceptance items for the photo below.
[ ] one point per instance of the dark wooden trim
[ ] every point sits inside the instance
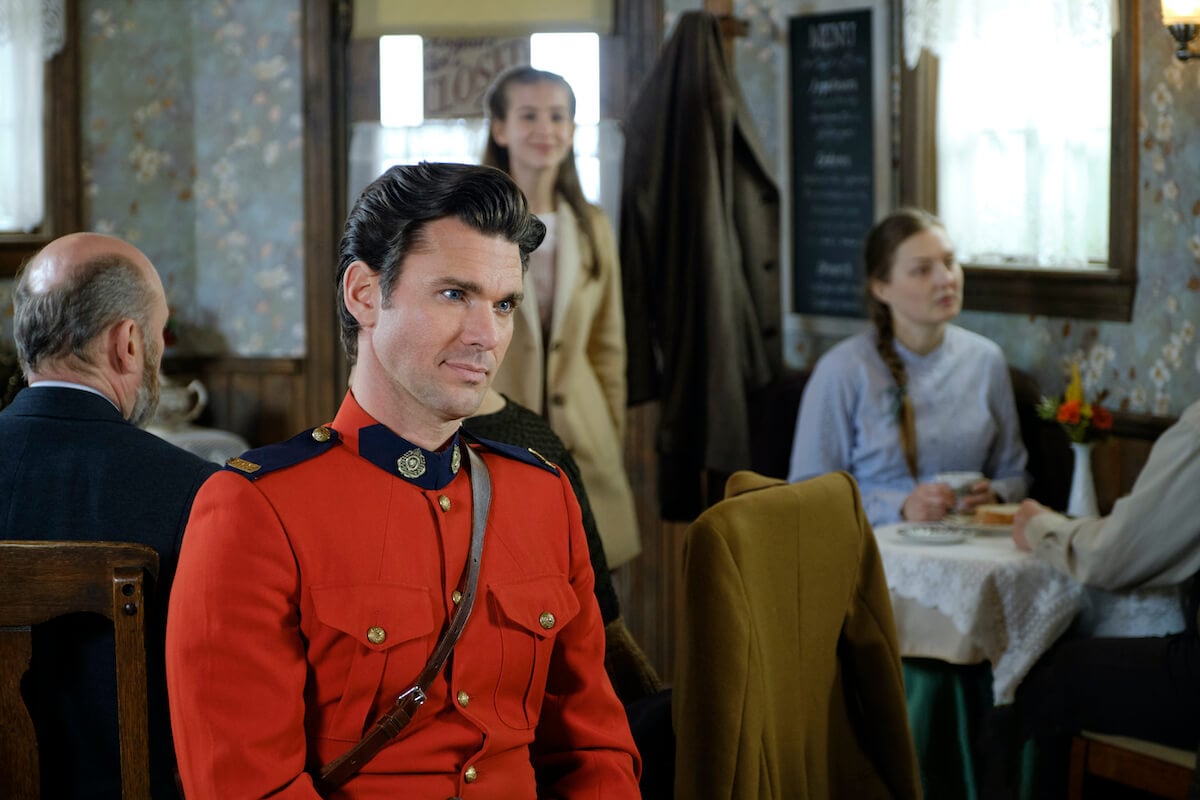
(629, 54)
(363, 96)
(64, 212)
(184, 365)
(1080, 294)
(1076, 294)
(1140, 426)
(326, 88)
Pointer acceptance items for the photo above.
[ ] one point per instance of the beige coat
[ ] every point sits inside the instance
(582, 383)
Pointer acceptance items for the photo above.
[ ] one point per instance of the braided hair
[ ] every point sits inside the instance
(879, 255)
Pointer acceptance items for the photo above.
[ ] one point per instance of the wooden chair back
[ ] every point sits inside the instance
(1152, 768)
(40, 581)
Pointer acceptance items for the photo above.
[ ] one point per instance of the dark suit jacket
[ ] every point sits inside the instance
(699, 263)
(74, 469)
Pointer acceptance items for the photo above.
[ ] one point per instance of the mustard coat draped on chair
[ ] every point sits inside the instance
(788, 682)
(583, 392)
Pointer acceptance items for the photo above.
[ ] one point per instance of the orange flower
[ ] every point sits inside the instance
(1101, 418)
(1068, 412)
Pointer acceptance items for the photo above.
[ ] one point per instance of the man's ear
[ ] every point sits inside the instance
(123, 347)
(360, 287)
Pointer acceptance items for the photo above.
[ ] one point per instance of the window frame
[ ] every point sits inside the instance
(1106, 293)
(60, 127)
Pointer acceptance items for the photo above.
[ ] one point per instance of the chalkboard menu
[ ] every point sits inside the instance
(833, 169)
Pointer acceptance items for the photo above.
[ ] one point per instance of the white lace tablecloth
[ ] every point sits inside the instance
(1005, 606)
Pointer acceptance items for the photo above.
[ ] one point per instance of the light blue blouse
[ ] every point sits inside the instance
(963, 408)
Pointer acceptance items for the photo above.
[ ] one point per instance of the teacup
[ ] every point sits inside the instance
(959, 482)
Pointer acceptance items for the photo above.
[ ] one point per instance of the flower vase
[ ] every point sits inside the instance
(1082, 501)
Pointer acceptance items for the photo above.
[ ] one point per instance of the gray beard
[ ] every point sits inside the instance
(146, 402)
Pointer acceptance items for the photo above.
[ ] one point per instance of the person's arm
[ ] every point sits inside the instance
(236, 666)
(582, 747)
(824, 437)
(1150, 538)
(606, 341)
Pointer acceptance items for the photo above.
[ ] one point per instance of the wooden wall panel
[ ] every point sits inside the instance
(263, 400)
(649, 587)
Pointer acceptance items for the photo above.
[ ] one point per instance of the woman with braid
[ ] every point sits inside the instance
(912, 395)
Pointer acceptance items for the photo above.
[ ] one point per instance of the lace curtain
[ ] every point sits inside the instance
(1023, 124)
(31, 31)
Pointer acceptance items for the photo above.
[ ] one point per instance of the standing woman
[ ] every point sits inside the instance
(913, 395)
(567, 357)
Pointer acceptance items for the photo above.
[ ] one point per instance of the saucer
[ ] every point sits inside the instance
(933, 534)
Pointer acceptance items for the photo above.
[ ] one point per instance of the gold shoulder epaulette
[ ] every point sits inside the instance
(243, 465)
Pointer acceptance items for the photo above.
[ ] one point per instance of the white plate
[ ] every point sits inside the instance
(933, 534)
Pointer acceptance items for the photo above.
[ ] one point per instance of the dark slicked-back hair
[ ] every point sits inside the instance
(389, 218)
(65, 320)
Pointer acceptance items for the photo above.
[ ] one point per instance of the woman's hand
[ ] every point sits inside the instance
(980, 494)
(928, 502)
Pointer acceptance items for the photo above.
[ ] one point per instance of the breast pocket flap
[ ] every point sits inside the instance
(541, 606)
(379, 615)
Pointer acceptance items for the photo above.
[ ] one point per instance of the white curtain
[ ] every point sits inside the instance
(1024, 116)
(30, 32)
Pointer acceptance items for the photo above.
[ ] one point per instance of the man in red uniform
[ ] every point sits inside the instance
(318, 574)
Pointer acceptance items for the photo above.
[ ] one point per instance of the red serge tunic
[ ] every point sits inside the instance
(312, 590)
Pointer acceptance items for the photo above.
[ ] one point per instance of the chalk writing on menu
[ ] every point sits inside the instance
(833, 165)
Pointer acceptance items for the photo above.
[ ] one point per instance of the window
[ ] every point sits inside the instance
(51, 145)
(980, 156)
(404, 135)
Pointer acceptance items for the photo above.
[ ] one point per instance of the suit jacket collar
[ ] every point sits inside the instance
(63, 403)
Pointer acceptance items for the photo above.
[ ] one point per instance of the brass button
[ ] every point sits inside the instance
(444, 502)
(320, 433)
(470, 775)
(463, 699)
(376, 634)
(456, 597)
(546, 620)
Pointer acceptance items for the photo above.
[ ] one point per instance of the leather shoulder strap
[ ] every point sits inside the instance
(340, 770)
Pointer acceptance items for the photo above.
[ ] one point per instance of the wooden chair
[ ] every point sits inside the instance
(43, 580)
(1150, 767)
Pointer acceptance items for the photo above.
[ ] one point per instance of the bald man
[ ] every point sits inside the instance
(89, 312)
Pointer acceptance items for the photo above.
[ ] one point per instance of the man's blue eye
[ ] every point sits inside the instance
(454, 294)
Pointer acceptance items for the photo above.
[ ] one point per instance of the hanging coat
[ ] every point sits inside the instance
(700, 263)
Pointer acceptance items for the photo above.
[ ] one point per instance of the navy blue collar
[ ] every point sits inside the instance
(398, 456)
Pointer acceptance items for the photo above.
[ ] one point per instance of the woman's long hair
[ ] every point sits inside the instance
(495, 107)
(879, 256)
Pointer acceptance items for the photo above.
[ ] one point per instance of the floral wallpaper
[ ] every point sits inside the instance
(1150, 365)
(193, 150)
